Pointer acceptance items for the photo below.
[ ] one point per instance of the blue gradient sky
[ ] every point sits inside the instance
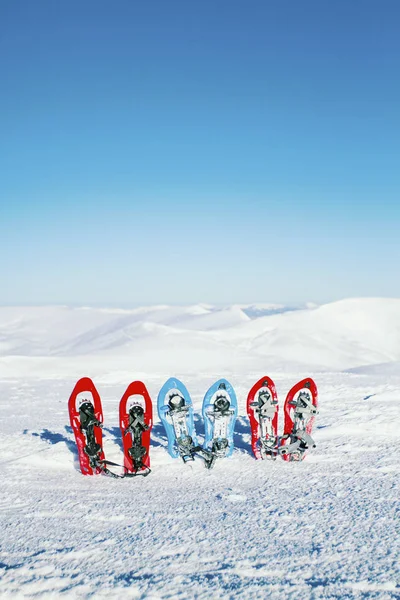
(218, 151)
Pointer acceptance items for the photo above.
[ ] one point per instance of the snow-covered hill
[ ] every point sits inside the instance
(338, 336)
(325, 528)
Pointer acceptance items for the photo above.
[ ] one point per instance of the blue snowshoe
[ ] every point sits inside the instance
(220, 411)
(175, 410)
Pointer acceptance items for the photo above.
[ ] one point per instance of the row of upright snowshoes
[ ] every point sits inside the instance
(300, 410)
(175, 410)
(135, 420)
(220, 410)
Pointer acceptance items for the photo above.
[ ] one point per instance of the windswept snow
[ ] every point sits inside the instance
(326, 528)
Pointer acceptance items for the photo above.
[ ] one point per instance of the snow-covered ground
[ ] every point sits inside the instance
(326, 528)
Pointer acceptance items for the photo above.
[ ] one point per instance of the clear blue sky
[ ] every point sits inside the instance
(220, 151)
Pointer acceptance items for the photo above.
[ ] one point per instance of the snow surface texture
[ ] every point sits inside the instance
(325, 528)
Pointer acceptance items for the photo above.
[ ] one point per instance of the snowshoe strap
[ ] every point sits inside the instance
(221, 407)
(304, 406)
(186, 448)
(265, 405)
(176, 404)
(264, 409)
(300, 442)
(268, 448)
(208, 456)
(102, 465)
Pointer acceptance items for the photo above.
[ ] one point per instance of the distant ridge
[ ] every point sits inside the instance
(348, 334)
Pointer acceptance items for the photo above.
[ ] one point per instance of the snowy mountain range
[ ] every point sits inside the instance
(341, 335)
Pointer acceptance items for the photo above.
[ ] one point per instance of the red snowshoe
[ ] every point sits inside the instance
(135, 421)
(300, 410)
(262, 409)
(86, 416)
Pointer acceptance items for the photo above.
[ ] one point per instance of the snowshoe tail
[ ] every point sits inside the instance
(220, 411)
(135, 421)
(86, 417)
(300, 411)
(175, 410)
(262, 410)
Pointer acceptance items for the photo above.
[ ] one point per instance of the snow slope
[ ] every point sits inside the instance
(337, 336)
(326, 528)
